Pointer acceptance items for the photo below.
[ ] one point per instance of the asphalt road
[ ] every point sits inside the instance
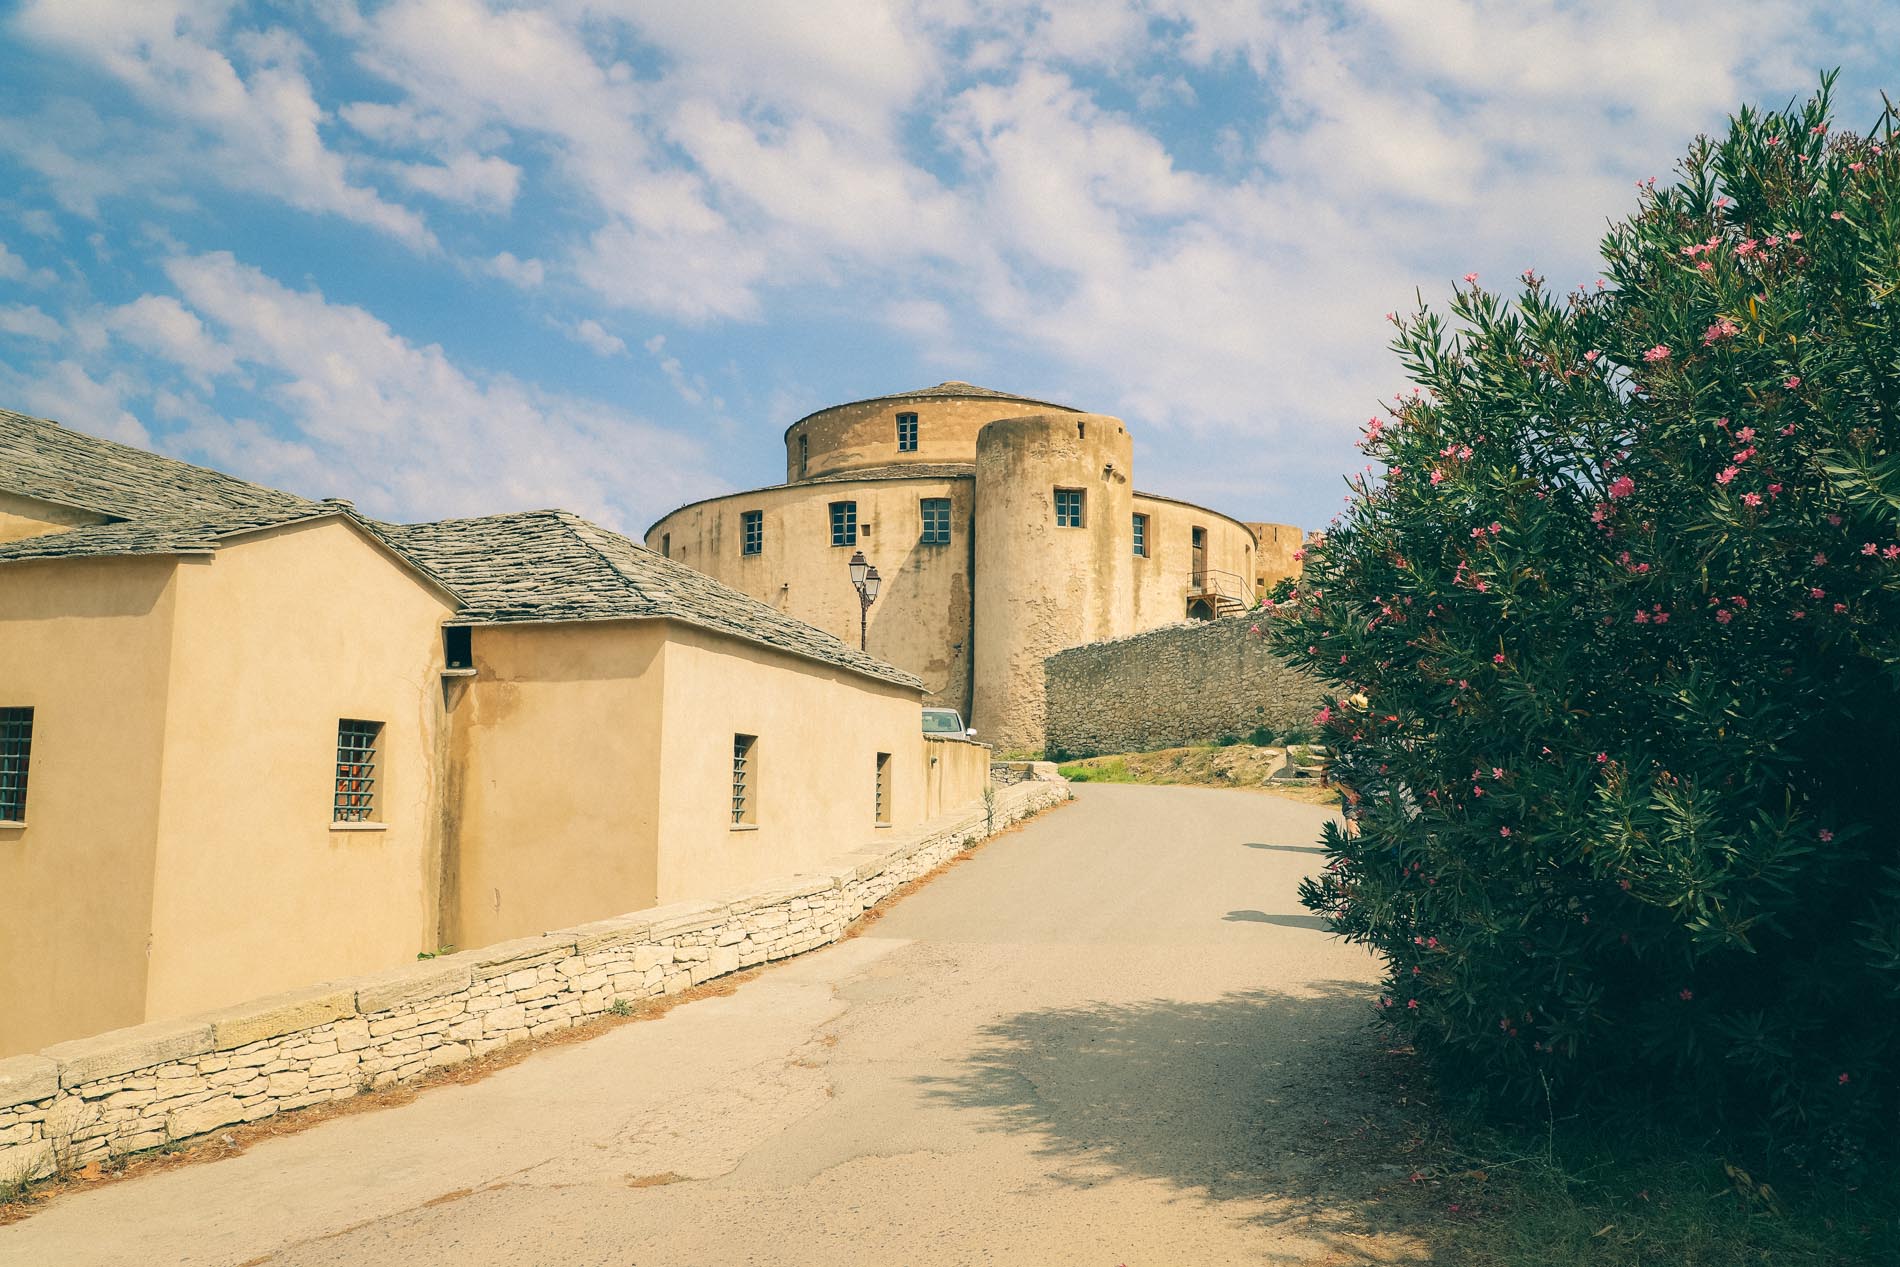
(1112, 1037)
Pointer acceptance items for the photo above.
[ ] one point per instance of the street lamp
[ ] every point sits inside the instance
(865, 579)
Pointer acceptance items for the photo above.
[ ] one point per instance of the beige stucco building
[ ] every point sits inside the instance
(250, 741)
(1004, 529)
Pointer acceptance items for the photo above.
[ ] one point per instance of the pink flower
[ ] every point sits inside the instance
(1602, 757)
(1826, 835)
(1411, 1004)
(1891, 552)
(1727, 474)
(1774, 490)
(1438, 477)
(1622, 486)
(1840, 609)
(1498, 658)
(1751, 499)
(1843, 1079)
(1685, 994)
(1794, 381)
(1724, 616)
(1870, 548)
(1592, 355)
(1745, 434)
(1504, 831)
(1835, 520)
(1835, 215)
(1722, 329)
(1472, 278)
(1817, 593)
(1820, 559)
(1658, 353)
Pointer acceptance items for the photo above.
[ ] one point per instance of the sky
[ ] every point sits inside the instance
(457, 257)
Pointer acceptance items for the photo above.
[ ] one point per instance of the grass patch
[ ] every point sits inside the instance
(1097, 770)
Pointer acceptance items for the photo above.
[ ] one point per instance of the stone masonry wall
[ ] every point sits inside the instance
(146, 1086)
(1169, 687)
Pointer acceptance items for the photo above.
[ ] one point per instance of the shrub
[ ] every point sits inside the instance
(1615, 649)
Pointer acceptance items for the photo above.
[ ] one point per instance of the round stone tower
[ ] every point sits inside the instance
(1054, 559)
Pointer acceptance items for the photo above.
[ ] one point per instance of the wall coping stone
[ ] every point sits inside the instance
(509, 956)
(24, 1079)
(411, 983)
(621, 930)
(124, 1050)
(281, 1014)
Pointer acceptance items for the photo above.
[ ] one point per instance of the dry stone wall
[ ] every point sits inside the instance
(1181, 684)
(149, 1085)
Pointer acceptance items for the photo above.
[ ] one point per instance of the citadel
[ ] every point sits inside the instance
(1003, 528)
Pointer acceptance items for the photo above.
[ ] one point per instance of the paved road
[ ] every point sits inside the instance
(1107, 1039)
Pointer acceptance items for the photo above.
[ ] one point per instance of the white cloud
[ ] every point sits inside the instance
(30, 323)
(15, 269)
(483, 182)
(526, 274)
(161, 325)
(65, 392)
(595, 337)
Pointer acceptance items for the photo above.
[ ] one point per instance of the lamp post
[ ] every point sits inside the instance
(865, 578)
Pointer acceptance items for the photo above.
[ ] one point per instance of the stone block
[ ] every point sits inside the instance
(27, 1078)
(284, 1085)
(288, 1013)
(448, 1054)
(352, 1034)
(623, 930)
(512, 956)
(503, 1019)
(121, 1051)
(220, 1111)
(683, 917)
(411, 984)
(27, 1161)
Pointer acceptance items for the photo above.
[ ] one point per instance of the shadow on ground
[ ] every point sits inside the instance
(1284, 921)
(1254, 844)
(1288, 1099)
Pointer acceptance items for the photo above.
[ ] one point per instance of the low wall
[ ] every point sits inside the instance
(146, 1086)
(1178, 685)
(956, 770)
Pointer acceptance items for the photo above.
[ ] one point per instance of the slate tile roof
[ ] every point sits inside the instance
(545, 565)
(44, 460)
(550, 565)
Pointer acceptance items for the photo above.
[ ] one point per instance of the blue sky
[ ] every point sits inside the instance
(461, 256)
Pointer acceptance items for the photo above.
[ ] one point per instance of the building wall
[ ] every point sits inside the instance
(1041, 587)
(1275, 562)
(87, 645)
(277, 637)
(1166, 688)
(921, 619)
(29, 517)
(555, 817)
(851, 437)
(819, 730)
(956, 772)
(1162, 581)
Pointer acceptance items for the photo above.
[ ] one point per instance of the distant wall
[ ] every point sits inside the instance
(1169, 687)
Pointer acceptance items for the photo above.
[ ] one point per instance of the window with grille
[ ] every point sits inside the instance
(1068, 508)
(16, 748)
(804, 454)
(745, 781)
(907, 433)
(358, 744)
(844, 523)
(752, 532)
(1141, 536)
(936, 521)
(883, 788)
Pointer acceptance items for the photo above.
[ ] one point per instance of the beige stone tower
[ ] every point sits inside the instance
(1053, 562)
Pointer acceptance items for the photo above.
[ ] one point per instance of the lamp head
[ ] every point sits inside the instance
(871, 580)
(858, 568)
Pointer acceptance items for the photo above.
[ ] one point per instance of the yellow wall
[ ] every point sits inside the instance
(1275, 561)
(557, 742)
(956, 772)
(851, 437)
(1162, 581)
(819, 730)
(278, 637)
(87, 645)
(921, 619)
(29, 517)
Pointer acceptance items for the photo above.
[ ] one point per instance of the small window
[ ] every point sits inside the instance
(666, 545)
(883, 818)
(907, 433)
(357, 797)
(752, 532)
(1068, 508)
(458, 651)
(16, 751)
(936, 521)
(1141, 536)
(804, 453)
(745, 781)
(844, 523)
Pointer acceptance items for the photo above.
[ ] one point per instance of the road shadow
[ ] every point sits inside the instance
(1253, 844)
(1318, 922)
(1287, 1098)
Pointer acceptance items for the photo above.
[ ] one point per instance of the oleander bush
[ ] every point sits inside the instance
(1613, 637)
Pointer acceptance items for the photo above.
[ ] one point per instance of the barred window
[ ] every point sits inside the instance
(357, 745)
(1141, 536)
(745, 787)
(752, 532)
(936, 521)
(1068, 508)
(883, 788)
(844, 523)
(804, 453)
(16, 747)
(907, 433)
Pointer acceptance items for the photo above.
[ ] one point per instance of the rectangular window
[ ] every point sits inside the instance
(16, 751)
(907, 433)
(752, 532)
(1068, 508)
(745, 781)
(356, 800)
(936, 521)
(1141, 536)
(804, 454)
(883, 789)
(666, 545)
(458, 647)
(844, 523)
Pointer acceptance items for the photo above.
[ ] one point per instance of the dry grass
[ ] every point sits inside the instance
(1241, 766)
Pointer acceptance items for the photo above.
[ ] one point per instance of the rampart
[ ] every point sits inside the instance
(149, 1085)
(1169, 687)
